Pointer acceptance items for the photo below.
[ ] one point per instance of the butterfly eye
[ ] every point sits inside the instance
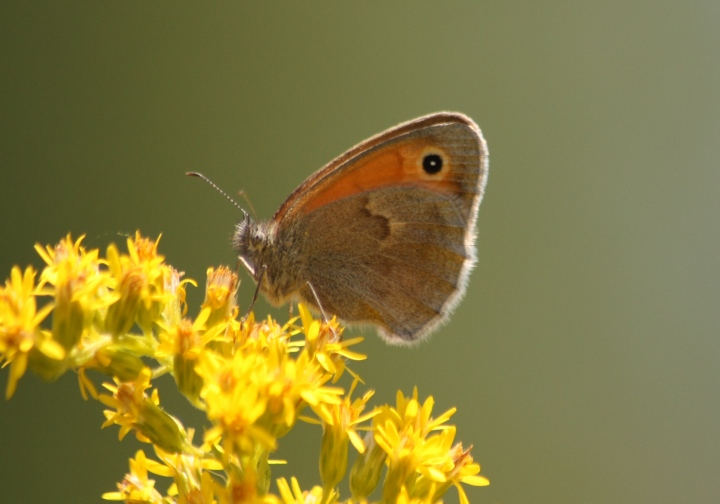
(258, 236)
(432, 163)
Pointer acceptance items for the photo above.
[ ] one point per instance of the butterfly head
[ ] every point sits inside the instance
(251, 241)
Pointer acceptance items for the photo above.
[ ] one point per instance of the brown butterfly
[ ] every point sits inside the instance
(383, 234)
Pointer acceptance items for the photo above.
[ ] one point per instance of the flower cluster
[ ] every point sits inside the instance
(253, 379)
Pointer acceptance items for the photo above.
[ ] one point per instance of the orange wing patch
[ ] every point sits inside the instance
(413, 162)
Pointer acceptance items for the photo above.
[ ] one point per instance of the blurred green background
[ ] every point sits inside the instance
(585, 359)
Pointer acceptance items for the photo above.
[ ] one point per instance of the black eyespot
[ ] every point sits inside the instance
(432, 164)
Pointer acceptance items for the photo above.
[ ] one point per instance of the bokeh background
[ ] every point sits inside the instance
(585, 359)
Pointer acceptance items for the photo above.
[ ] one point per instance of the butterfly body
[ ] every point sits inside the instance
(382, 235)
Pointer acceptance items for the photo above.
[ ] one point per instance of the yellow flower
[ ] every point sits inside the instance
(340, 423)
(455, 466)
(192, 481)
(132, 409)
(252, 379)
(220, 295)
(297, 496)
(406, 498)
(425, 464)
(119, 360)
(204, 493)
(184, 343)
(137, 487)
(324, 342)
(245, 488)
(255, 395)
(79, 287)
(19, 327)
(139, 282)
(367, 469)
(234, 403)
(175, 306)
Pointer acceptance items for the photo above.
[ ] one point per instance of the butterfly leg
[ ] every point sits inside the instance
(322, 312)
(317, 300)
(257, 291)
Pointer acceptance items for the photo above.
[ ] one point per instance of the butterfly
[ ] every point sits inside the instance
(382, 235)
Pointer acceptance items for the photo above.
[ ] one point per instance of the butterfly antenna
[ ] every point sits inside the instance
(201, 176)
(249, 203)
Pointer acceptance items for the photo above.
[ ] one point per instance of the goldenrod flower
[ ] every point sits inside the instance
(254, 396)
(252, 379)
(367, 469)
(220, 291)
(295, 495)
(405, 498)
(191, 480)
(417, 459)
(79, 287)
(245, 487)
(19, 327)
(340, 423)
(119, 360)
(132, 409)
(139, 281)
(175, 306)
(457, 468)
(324, 343)
(185, 341)
(136, 487)
(234, 403)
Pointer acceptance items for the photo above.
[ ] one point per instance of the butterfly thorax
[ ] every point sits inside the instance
(265, 255)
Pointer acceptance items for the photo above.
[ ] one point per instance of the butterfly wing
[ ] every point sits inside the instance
(387, 230)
